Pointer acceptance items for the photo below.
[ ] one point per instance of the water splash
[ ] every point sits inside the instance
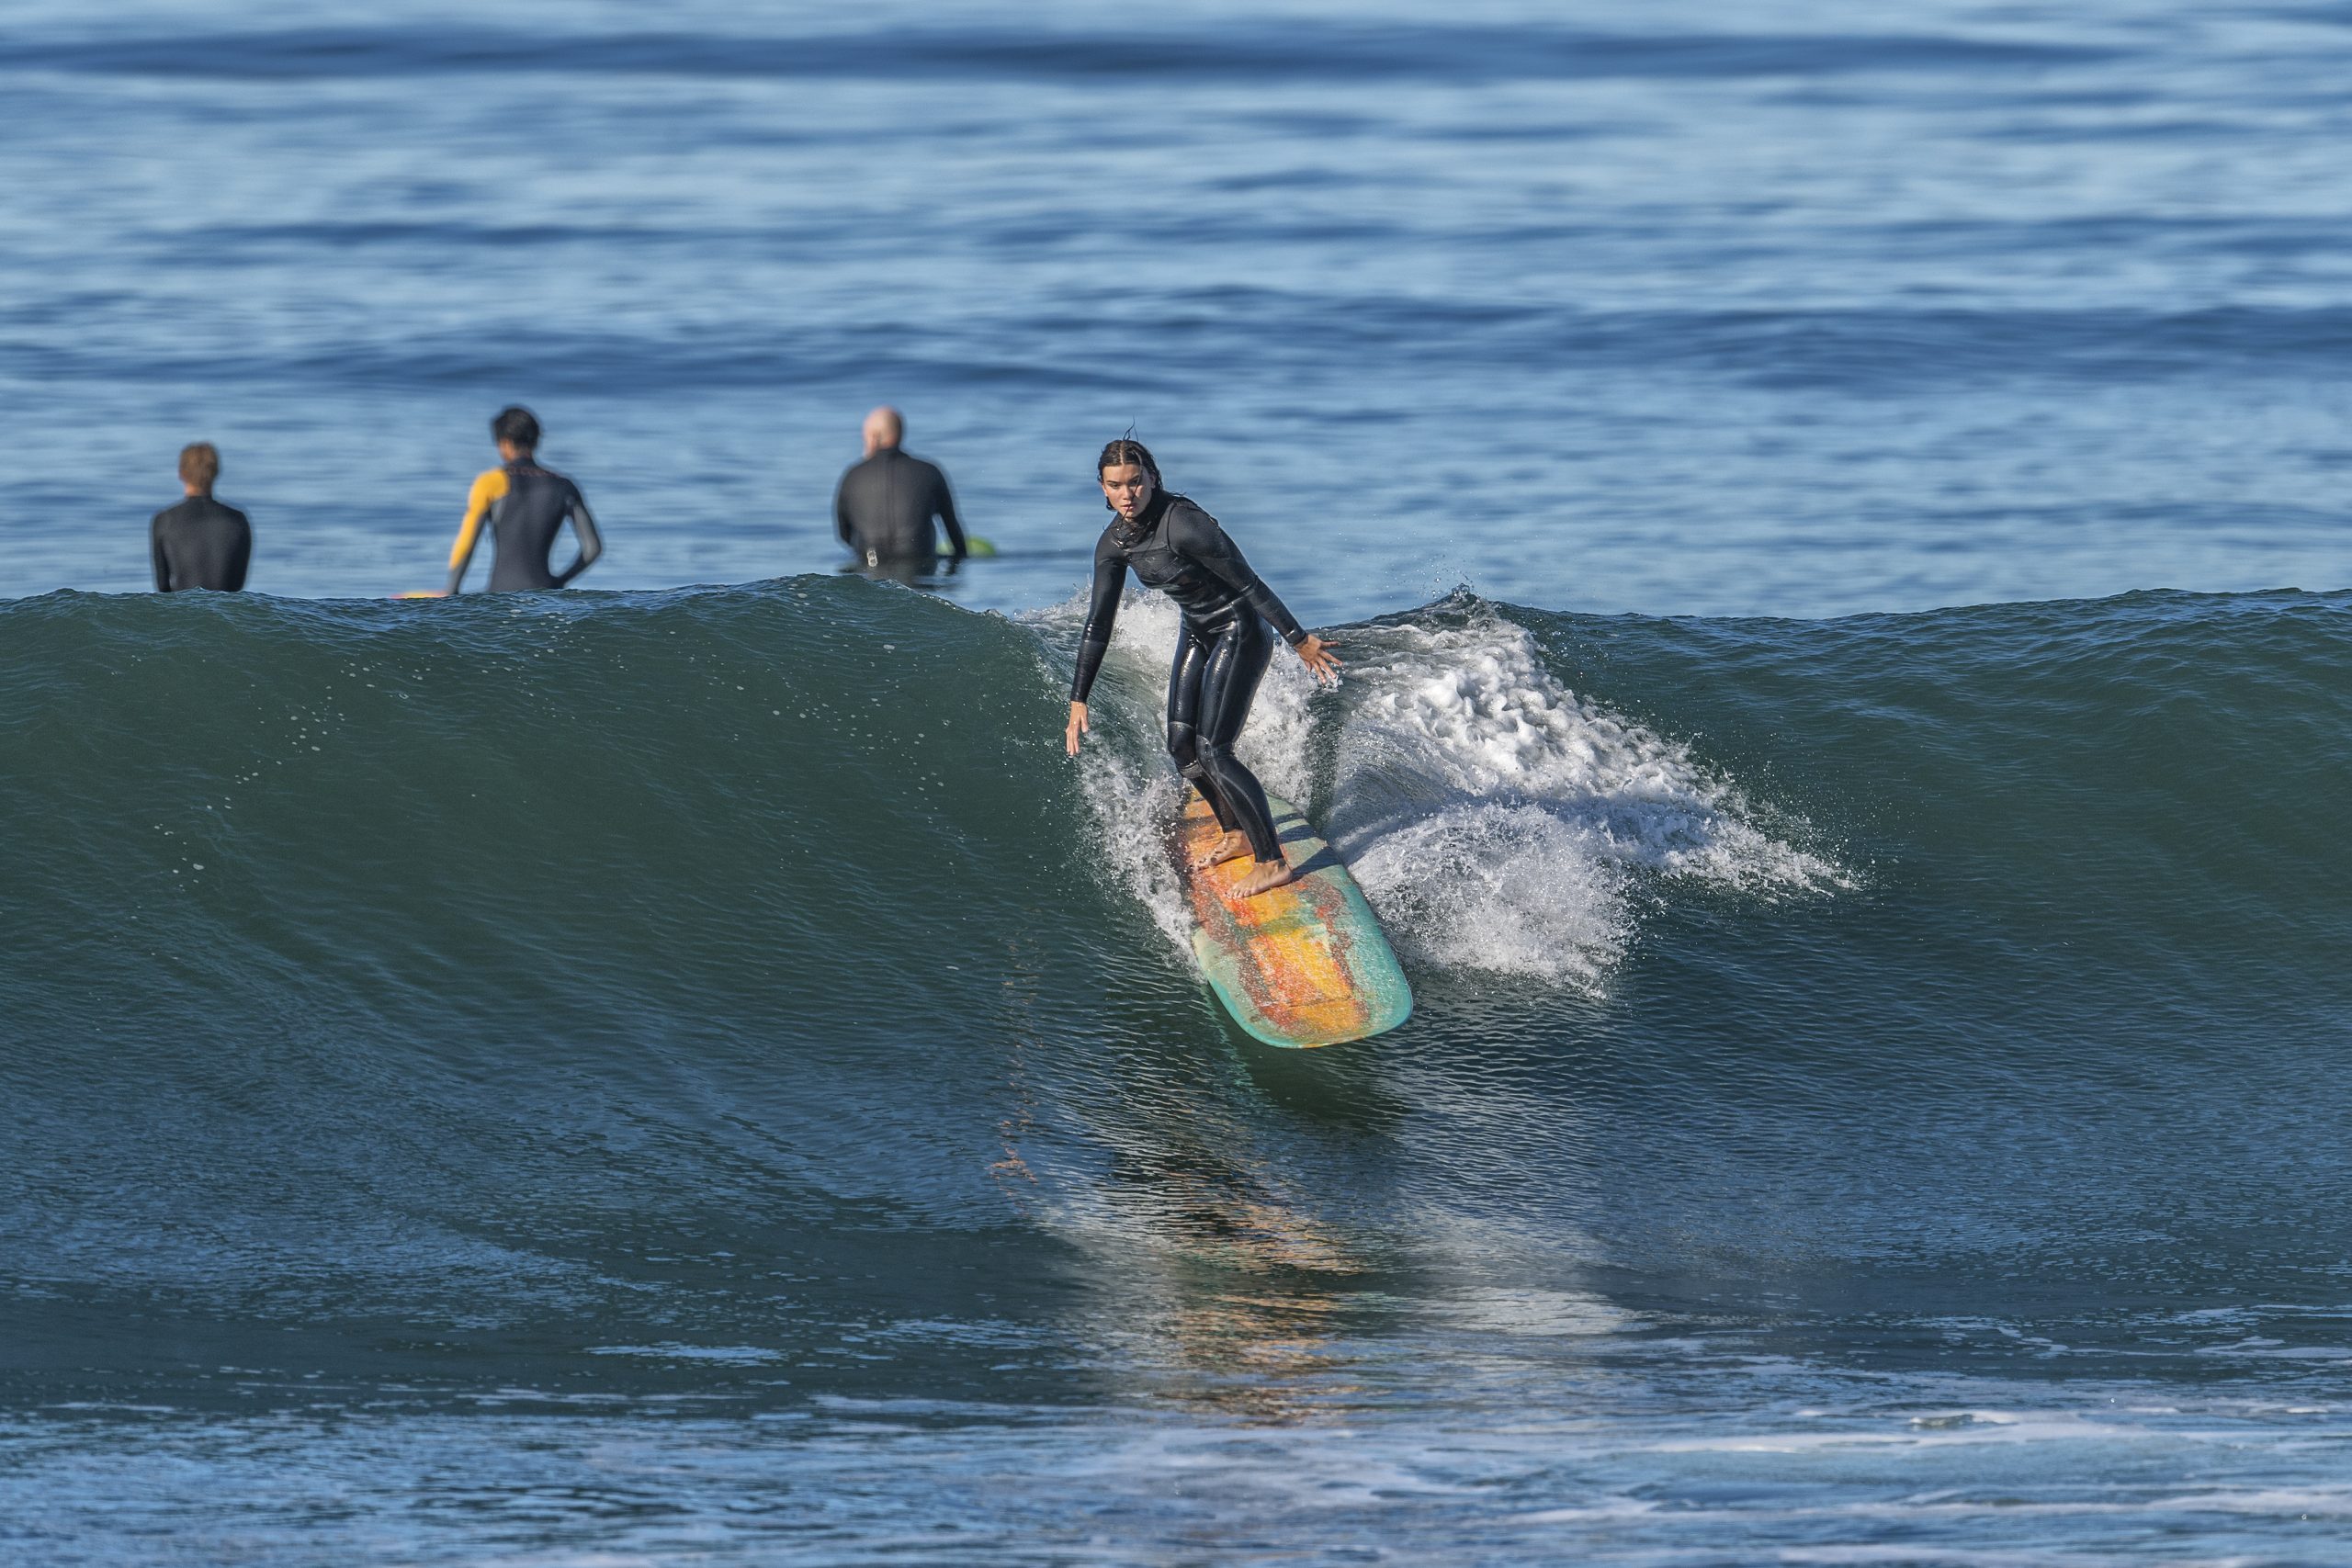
(1498, 820)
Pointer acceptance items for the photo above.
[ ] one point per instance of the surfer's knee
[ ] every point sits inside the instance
(1185, 745)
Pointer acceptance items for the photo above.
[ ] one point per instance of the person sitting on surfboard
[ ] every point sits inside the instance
(1173, 545)
(524, 505)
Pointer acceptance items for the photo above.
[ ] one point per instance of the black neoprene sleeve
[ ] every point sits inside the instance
(1205, 541)
(592, 544)
(946, 504)
(1110, 580)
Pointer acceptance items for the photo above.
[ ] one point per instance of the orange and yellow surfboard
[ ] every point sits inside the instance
(1302, 965)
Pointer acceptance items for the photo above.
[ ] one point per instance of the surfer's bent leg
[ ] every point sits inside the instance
(1183, 720)
(1236, 658)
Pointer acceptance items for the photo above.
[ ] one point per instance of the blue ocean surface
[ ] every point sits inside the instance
(1835, 517)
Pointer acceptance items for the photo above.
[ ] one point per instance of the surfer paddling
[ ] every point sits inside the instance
(1173, 545)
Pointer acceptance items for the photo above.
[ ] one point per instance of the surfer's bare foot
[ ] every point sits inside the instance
(1269, 875)
(1231, 846)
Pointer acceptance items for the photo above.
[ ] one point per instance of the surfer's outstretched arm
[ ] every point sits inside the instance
(1200, 537)
(1102, 613)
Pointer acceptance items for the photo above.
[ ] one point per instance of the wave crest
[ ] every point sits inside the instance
(1498, 820)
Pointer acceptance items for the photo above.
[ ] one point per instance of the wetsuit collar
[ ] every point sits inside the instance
(1134, 534)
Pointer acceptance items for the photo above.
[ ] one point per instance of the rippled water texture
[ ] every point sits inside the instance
(669, 1074)
(1823, 309)
(1831, 512)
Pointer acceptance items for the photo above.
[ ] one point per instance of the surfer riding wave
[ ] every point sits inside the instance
(1173, 545)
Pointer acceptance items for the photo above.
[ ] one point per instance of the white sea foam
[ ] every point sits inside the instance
(1496, 820)
(1499, 821)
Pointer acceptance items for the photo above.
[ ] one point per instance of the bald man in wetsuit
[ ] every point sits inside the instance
(200, 543)
(524, 506)
(884, 507)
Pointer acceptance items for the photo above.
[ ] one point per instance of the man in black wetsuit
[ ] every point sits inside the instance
(884, 507)
(200, 543)
(524, 505)
(1173, 545)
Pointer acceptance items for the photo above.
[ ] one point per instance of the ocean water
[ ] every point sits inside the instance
(1834, 512)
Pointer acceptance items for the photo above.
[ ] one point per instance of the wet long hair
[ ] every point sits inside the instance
(1119, 454)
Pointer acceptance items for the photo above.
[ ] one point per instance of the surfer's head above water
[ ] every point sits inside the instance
(517, 431)
(1129, 477)
(884, 428)
(199, 467)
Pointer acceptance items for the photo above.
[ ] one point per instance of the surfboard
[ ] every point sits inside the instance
(1302, 965)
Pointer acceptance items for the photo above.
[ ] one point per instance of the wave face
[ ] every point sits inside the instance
(364, 952)
(607, 1009)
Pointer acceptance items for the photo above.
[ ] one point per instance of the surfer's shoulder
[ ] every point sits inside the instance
(1188, 524)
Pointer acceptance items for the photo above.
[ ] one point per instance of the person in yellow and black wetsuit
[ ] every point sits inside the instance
(524, 505)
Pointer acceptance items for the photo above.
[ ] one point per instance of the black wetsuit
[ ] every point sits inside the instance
(200, 543)
(1175, 546)
(884, 507)
(524, 505)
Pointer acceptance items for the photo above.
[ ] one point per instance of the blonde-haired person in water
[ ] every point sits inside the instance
(1173, 545)
(200, 543)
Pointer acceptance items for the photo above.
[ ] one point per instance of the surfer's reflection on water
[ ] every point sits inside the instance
(1264, 1239)
(1243, 1297)
(1218, 1278)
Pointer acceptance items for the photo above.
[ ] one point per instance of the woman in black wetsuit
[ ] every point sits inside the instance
(1175, 546)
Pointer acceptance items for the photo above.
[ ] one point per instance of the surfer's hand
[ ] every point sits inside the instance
(1078, 727)
(1321, 658)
